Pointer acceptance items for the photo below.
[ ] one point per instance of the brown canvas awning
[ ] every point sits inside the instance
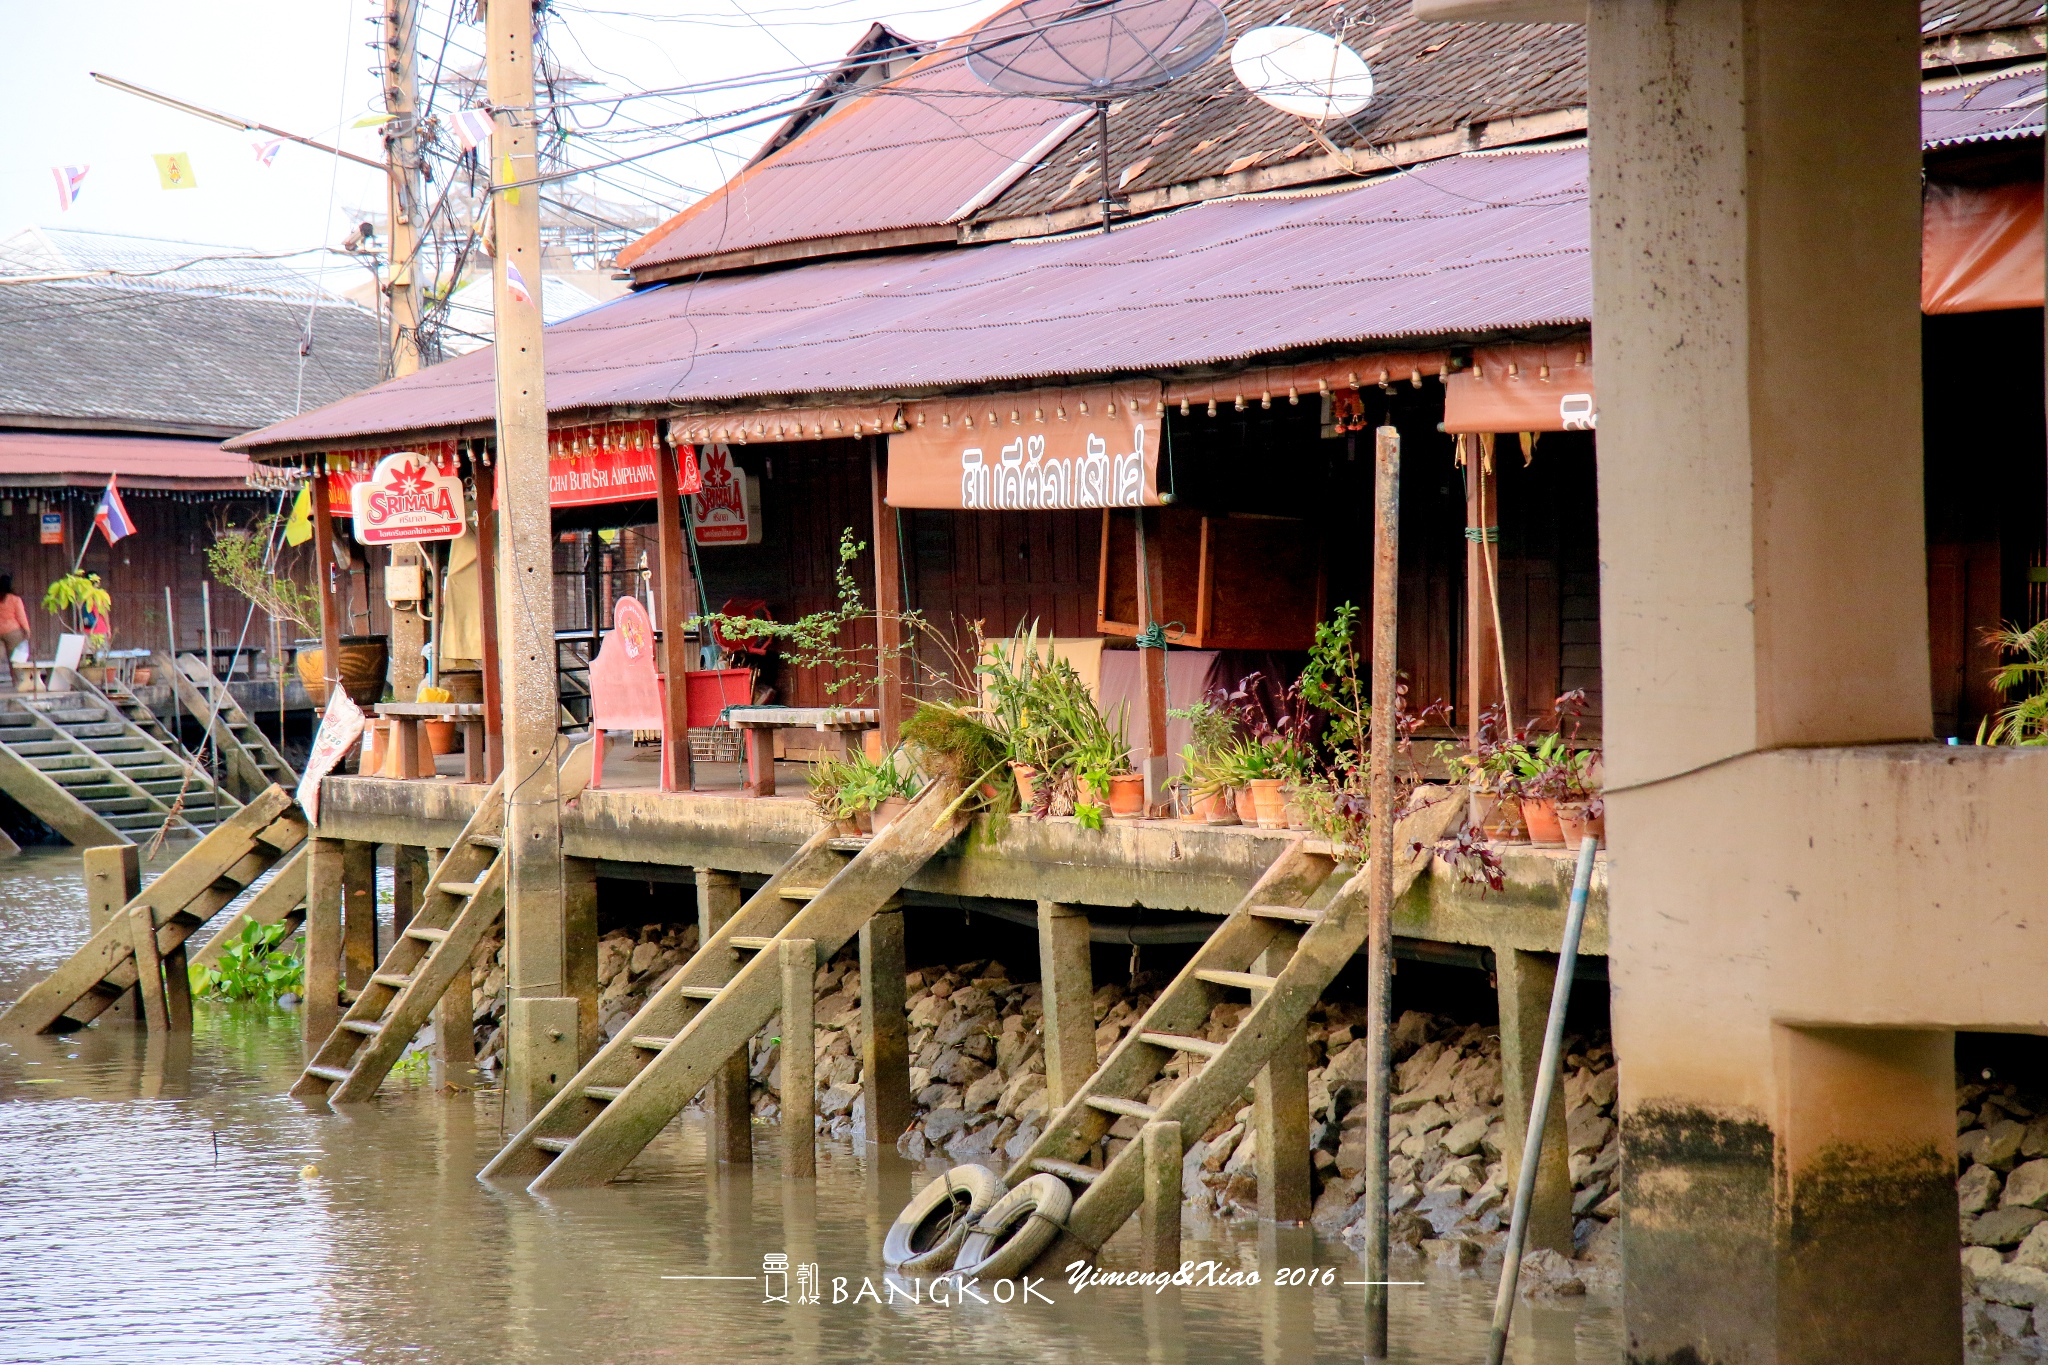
(1093, 445)
(1981, 248)
(1543, 387)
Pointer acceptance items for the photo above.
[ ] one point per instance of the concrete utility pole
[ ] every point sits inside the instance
(541, 1042)
(402, 172)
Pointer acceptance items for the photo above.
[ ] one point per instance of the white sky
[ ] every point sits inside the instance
(302, 65)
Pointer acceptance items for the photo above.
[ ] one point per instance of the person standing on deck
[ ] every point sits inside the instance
(14, 627)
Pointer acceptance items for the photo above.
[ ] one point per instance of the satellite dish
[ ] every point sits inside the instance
(1302, 72)
(1095, 50)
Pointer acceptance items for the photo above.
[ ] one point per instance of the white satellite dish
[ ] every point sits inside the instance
(1302, 72)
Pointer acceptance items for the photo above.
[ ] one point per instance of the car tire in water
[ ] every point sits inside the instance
(1013, 1234)
(927, 1234)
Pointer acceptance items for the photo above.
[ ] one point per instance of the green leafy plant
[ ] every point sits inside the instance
(257, 964)
(947, 740)
(240, 558)
(75, 597)
(842, 788)
(2025, 721)
(1214, 729)
(1337, 681)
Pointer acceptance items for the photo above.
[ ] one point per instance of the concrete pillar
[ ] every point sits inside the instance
(359, 912)
(541, 1047)
(719, 897)
(1067, 989)
(321, 1010)
(1159, 1215)
(884, 1029)
(579, 945)
(1524, 982)
(113, 877)
(1280, 1113)
(1756, 259)
(799, 1057)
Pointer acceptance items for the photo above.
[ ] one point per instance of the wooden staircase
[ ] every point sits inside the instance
(462, 902)
(1273, 914)
(191, 891)
(110, 773)
(625, 1095)
(252, 762)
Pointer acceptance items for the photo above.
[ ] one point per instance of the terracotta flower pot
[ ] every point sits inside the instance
(1127, 794)
(1269, 806)
(1217, 808)
(443, 737)
(887, 813)
(1502, 822)
(1027, 783)
(1541, 818)
(1247, 813)
(1576, 824)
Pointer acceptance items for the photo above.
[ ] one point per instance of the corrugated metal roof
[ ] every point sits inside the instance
(921, 151)
(1939, 17)
(1985, 110)
(1468, 245)
(41, 457)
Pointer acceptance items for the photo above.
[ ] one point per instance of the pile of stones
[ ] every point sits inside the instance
(2002, 1199)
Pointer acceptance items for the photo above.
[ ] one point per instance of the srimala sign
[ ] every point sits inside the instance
(408, 497)
(1084, 446)
(430, 463)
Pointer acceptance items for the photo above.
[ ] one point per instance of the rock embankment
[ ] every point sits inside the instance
(2002, 1201)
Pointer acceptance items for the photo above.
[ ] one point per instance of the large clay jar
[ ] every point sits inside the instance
(363, 661)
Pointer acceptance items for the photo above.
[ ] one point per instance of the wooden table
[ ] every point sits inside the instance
(405, 718)
(759, 723)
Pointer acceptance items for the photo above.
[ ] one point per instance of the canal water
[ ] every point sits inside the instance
(172, 1203)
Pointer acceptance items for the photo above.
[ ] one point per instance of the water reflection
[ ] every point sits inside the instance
(154, 1203)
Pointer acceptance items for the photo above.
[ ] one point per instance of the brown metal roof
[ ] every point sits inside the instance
(1465, 246)
(1995, 108)
(1938, 18)
(29, 458)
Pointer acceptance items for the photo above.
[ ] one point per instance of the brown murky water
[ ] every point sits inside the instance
(153, 1206)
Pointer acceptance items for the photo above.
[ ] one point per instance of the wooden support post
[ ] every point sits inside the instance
(672, 601)
(1159, 1216)
(888, 598)
(330, 585)
(359, 912)
(487, 605)
(113, 877)
(322, 1005)
(1280, 1108)
(149, 974)
(719, 897)
(1524, 982)
(1067, 990)
(408, 880)
(1379, 991)
(884, 1028)
(1482, 570)
(799, 1057)
(579, 938)
(1152, 662)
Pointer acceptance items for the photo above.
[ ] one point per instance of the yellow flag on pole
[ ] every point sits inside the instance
(298, 527)
(174, 171)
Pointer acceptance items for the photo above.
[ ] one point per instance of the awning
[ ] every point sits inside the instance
(786, 424)
(36, 459)
(1070, 446)
(1523, 388)
(1981, 248)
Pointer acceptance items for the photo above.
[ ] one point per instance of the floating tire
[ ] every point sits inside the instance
(1013, 1234)
(927, 1235)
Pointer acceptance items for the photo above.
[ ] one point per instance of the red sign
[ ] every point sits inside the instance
(719, 509)
(407, 498)
(613, 462)
(346, 469)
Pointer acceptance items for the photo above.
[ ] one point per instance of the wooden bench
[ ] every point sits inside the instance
(758, 725)
(405, 718)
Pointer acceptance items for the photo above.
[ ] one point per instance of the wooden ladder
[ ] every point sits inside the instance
(462, 902)
(109, 765)
(1273, 914)
(191, 891)
(252, 761)
(625, 1095)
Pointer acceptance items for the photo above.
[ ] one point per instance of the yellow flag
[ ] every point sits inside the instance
(174, 171)
(298, 527)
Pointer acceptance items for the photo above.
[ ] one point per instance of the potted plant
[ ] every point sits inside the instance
(1583, 816)
(1204, 784)
(82, 604)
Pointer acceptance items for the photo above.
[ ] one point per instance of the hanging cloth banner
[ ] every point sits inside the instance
(1980, 248)
(1547, 387)
(785, 424)
(1085, 446)
(347, 468)
(607, 462)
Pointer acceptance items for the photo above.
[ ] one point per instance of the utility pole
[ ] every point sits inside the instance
(402, 173)
(541, 1040)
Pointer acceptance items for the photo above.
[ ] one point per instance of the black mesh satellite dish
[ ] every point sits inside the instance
(1095, 51)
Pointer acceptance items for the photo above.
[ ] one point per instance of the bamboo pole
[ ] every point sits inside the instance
(1386, 571)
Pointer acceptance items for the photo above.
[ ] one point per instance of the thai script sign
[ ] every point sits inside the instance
(407, 498)
(1094, 446)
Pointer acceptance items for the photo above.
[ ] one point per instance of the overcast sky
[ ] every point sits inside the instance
(302, 65)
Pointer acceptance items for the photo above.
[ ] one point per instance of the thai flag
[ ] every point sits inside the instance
(111, 516)
(515, 284)
(473, 128)
(68, 178)
(266, 152)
